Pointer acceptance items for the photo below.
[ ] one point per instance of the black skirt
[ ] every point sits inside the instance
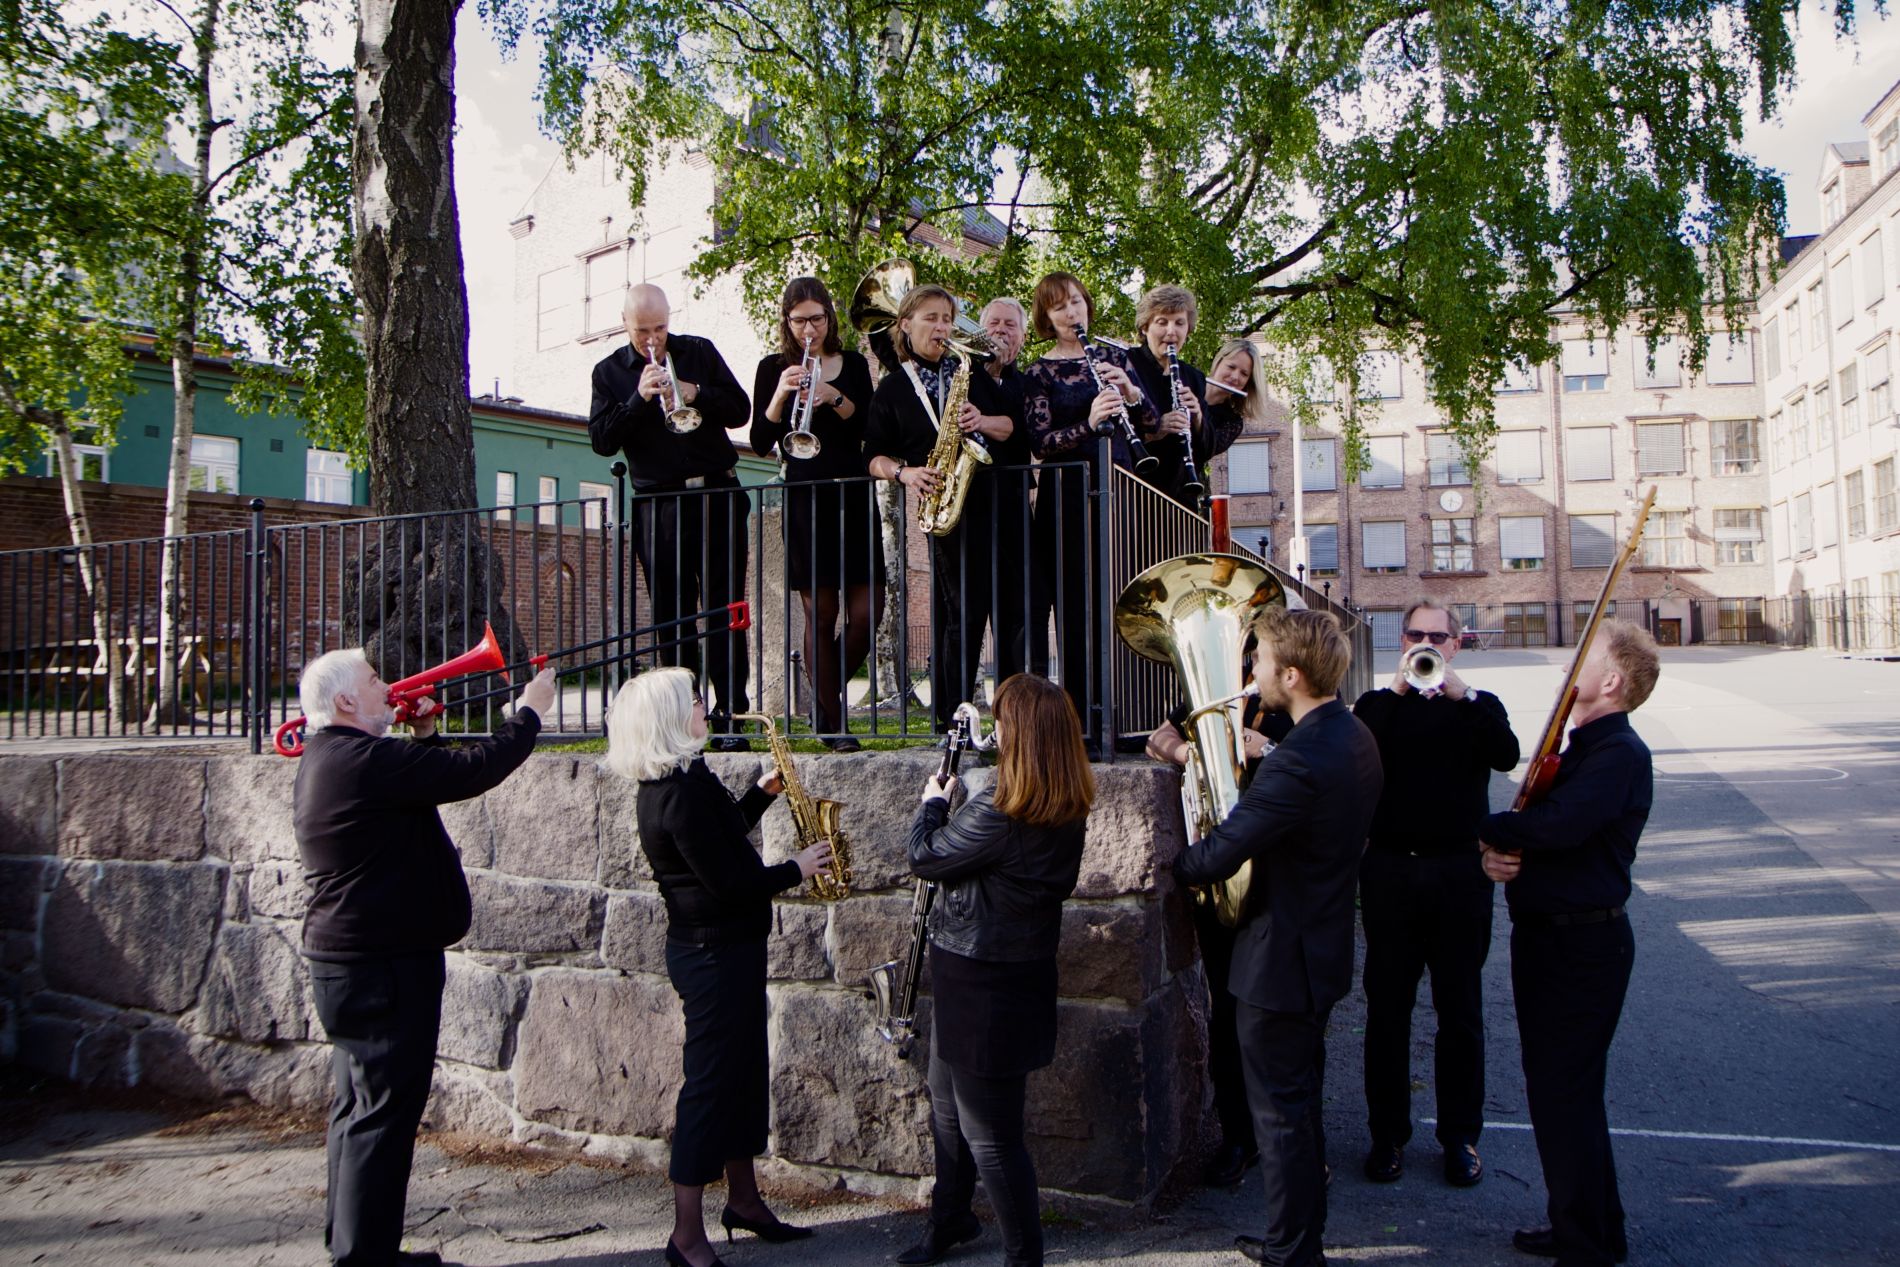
(993, 1018)
(831, 532)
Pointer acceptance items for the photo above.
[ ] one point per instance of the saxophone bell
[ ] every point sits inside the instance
(813, 818)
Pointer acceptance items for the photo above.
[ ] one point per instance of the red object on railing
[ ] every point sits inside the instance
(739, 615)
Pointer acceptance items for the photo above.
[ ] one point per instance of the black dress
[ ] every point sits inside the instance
(831, 531)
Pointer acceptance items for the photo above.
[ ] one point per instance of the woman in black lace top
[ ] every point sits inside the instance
(1067, 415)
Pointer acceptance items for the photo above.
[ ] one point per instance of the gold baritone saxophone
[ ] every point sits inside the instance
(954, 457)
(813, 818)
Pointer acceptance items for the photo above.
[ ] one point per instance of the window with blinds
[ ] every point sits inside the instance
(1445, 460)
(1386, 629)
(1738, 534)
(1730, 361)
(1322, 545)
(1382, 545)
(1854, 493)
(1850, 400)
(1659, 449)
(1380, 376)
(1823, 417)
(1319, 471)
(1521, 541)
(1249, 467)
(1520, 457)
(1588, 455)
(1666, 371)
(1385, 463)
(1586, 364)
(1592, 541)
(1826, 527)
(1886, 499)
(1803, 525)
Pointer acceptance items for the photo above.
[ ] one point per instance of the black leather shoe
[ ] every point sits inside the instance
(675, 1258)
(1542, 1241)
(939, 1239)
(1228, 1165)
(1252, 1247)
(729, 743)
(422, 1258)
(770, 1228)
(1385, 1162)
(844, 743)
(1463, 1166)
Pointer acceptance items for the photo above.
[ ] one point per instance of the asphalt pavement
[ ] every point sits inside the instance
(1754, 1085)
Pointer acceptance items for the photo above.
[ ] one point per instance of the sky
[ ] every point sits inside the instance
(500, 156)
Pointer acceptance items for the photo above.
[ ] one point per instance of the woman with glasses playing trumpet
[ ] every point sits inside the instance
(811, 400)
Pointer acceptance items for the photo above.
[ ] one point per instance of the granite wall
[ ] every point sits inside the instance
(149, 910)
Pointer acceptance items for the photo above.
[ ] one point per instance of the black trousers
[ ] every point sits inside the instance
(1425, 914)
(692, 547)
(724, 1107)
(976, 1126)
(1570, 983)
(1223, 1036)
(1284, 1057)
(977, 578)
(382, 1016)
(1068, 562)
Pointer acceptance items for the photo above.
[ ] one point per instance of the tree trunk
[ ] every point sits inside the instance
(893, 685)
(168, 703)
(110, 656)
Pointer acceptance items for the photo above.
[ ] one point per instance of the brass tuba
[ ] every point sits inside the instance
(1195, 612)
(955, 456)
(813, 820)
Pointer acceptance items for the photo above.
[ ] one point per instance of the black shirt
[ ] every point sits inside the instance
(716, 888)
(901, 429)
(384, 877)
(621, 421)
(1057, 396)
(842, 453)
(1579, 842)
(1438, 755)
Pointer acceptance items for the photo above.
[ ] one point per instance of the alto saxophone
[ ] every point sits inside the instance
(813, 819)
(954, 458)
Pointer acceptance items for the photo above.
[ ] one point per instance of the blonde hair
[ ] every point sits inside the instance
(1312, 642)
(1166, 299)
(915, 298)
(649, 726)
(1633, 652)
(1253, 406)
(323, 679)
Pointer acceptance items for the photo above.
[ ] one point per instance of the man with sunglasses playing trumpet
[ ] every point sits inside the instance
(1423, 895)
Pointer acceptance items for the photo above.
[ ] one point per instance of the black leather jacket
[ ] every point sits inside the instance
(1002, 881)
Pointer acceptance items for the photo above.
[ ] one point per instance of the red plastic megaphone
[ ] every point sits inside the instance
(484, 657)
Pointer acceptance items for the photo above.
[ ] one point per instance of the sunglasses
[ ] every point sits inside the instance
(1420, 635)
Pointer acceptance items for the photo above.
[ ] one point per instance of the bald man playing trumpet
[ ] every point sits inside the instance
(667, 401)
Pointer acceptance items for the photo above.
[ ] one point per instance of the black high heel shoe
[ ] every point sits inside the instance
(771, 1228)
(675, 1258)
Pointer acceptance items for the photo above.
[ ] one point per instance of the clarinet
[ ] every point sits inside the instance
(1191, 471)
(1145, 462)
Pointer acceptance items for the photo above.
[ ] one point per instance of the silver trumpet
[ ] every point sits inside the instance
(1424, 667)
(800, 442)
(680, 416)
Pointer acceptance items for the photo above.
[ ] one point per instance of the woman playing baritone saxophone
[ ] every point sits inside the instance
(831, 530)
(1006, 862)
(897, 442)
(1067, 415)
(718, 898)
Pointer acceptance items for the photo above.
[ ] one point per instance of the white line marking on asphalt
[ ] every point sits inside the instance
(1835, 776)
(1712, 1136)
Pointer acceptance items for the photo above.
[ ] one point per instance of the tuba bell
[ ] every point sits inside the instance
(1195, 612)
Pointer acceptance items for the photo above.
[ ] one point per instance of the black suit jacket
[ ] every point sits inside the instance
(1302, 821)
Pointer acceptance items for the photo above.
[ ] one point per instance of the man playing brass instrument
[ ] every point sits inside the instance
(1302, 824)
(1424, 899)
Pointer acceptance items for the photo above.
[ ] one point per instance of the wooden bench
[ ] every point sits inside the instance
(77, 661)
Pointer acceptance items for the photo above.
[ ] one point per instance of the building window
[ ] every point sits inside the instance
(1386, 626)
(550, 494)
(1666, 540)
(326, 477)
(1255, 537)
(1592, 541)
(1792, 315)
(1667, 371)
(1730, 360)
(1850, 400)
(1382, 545)
(1827, 527)
(93, 461)
(1879, 390)
(214, 464)
(1886, 507)
(1520, 457)
(1734, 446)
(1525, 625)
(1783, 541)
(1833, 202)
(1319, 472)
(1803, 525)
(554, 307)
(1778, 436)
(1452, 546)
(1517, 378)
(1588, 453)
(1873, 270)
(1659, 449)
(1586, 365)
(1445, 459)
(1843, 275)
(1250, 467)
(1817, 316)
(593, 498)
(504, 495)
(1798, 428)
(1380, 376)
(1322, 549)
(1521, 542)
(1854, 492)
(1889, 147)
(605, 281)
(1818, 401)
(1385, 466)
(1739, 620)
(1738, 535)
(1771, 345)
(1580, 613)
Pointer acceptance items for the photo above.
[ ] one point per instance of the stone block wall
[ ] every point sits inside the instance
(149, 934)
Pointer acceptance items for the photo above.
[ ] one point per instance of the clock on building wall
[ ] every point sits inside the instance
(1451, 501)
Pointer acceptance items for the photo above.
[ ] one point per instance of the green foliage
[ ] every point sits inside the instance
(1438, 179)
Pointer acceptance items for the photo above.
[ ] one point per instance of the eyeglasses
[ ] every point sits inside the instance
(698, 702)
(816, 320)
(1420, 635)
